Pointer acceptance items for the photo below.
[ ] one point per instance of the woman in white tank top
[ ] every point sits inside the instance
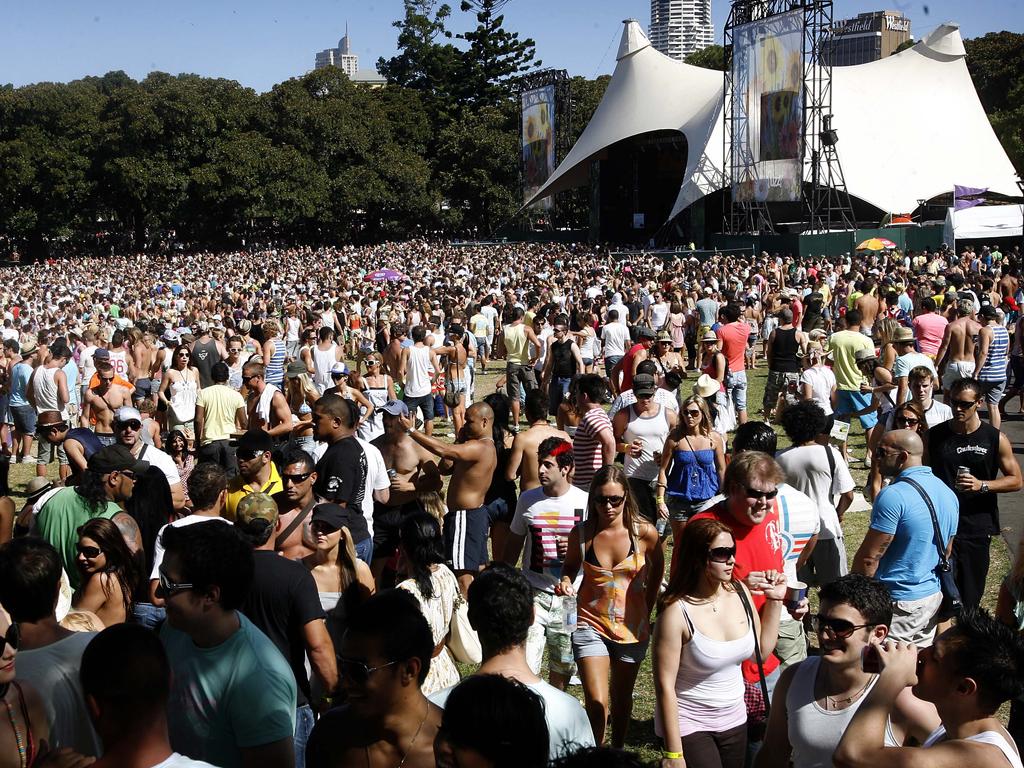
(704, 632)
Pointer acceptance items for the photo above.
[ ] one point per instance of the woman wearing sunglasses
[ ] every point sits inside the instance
(692, 465)
(184, 459)
(26, 721)
(379, 388)
(110, 574)
(705, 630)
(622, 564)
(342, 579)
(910, 416)
(179, 389)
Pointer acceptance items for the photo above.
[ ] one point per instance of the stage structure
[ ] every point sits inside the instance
(546, 130)
(779, 142)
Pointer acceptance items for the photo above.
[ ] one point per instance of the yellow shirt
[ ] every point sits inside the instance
(220, 404)
(238, 489)
(516, 343)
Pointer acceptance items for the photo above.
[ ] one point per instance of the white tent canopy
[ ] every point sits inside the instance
(984, 221)
(910, 126)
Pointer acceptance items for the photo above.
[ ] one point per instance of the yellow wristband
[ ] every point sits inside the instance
(659, 499)
(671, 755)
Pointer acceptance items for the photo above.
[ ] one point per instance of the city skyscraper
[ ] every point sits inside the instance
(340, 57)
(681, 27)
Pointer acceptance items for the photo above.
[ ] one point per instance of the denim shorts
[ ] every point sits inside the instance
(586, 642)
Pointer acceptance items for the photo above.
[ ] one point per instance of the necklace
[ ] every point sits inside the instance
(19, 738)
(835, 701)
(366, 749)
(713, 602)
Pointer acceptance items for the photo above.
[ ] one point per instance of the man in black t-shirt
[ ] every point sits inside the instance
(983, 451)
(285, 604)
(342, 470)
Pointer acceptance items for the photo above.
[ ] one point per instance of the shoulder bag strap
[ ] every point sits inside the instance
(757, 645)
(943, 562)
(282, 537)
(831, 469)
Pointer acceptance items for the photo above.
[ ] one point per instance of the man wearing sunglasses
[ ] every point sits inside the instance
(128, 432)
(815, 700)
(382, 663)
(900, 548)
(256, 470)
(983, 453)
(233, 694)
(76, 445)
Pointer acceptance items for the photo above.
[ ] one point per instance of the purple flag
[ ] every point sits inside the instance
(967, 197)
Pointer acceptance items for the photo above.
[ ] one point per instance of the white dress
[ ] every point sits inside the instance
(438, 611)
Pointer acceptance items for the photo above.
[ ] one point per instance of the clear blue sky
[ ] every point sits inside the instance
(260, 43)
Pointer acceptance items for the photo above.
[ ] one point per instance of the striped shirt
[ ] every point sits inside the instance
(996, 360)
(586, 446)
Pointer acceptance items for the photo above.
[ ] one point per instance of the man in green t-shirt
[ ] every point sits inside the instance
(108, 480)
(850, 401)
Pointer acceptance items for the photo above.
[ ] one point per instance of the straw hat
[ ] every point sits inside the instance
(706, 386)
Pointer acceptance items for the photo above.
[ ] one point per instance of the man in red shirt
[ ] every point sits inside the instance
(637, 354)
(733, 334)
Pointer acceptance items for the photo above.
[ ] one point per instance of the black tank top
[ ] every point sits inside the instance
(979, 452)
(784, 351)
(204, 356)
(563, 365)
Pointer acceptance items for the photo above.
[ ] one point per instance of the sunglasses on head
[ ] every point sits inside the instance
(836, 627)
(754, 493)
(90, 552)
(357, 672)
(12, 637)
(721, 554)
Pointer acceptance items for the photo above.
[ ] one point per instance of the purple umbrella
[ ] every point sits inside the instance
(383, 275)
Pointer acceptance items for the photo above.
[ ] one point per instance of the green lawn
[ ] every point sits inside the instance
(641, 734)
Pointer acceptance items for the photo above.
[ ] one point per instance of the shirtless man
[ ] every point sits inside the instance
(455, 354)
(523, 461)
(143, 355)
(868, 306)
(294, 504)
(471, 462)
(1009, 283)
(393, 352)
(266, 406)
(102, 401)
(955, 358)
(413, 471)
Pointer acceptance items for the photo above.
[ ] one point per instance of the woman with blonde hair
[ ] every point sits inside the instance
(692, 464)
(301, 394)
(706, 629)
(885, 332)
(274, 354)
(620, 557)
(342, 579)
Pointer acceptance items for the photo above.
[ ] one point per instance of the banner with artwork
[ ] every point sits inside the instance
(538, 141)
(767, 71)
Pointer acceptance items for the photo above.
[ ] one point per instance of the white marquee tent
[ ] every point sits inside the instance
(910, 126)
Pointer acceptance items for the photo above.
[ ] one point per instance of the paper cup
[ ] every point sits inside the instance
(795, 592)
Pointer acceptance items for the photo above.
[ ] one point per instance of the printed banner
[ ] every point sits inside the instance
(538, 141)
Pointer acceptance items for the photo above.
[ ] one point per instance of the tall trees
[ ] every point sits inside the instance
(996, 63)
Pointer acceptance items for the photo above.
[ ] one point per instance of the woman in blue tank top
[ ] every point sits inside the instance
(692, 465)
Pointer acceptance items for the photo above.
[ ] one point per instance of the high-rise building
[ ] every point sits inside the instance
(866, 37)
(681, 27)
(340, 57)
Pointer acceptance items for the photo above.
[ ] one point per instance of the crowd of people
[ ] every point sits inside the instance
(279, 474)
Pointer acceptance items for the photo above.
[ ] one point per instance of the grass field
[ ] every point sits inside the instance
(641, 734)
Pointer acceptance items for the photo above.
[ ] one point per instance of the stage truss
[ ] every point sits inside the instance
(825, 201)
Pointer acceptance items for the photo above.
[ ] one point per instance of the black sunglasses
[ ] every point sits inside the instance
(90, 552)
(133, 424)
(323, 525)
(12, 638)
(249, 455)
(357, 672)
(754, 493)
(963, 404)
(296, 479)
(721, 554)
(836, 627)
(169, 587)
(613, 501)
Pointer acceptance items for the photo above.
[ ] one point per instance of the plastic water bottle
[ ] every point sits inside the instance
(569, 614)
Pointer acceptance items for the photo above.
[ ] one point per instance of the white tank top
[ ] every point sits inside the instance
(323, 361)
(45, 389)
(417, 377)
(120, 362)
(814, 733)
(652, 431)
(995, 738)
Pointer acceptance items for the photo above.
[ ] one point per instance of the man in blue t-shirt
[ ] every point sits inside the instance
(233, 695)
(899, 548)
